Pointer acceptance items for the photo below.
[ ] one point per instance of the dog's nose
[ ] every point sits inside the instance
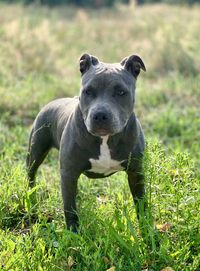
(100, 117)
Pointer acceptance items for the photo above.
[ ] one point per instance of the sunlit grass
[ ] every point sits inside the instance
(39, 53)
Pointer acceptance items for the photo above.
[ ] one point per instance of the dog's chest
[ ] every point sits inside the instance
(105, 164)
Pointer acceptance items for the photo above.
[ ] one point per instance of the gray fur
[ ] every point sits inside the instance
(75, 126)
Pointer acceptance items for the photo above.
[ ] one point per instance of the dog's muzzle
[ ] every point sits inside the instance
(100, 123)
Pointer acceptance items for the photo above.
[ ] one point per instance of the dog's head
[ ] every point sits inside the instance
(108, 93)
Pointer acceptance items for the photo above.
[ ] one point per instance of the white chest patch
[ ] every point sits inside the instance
(104, 164)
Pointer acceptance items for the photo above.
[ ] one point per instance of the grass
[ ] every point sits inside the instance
(39, 62)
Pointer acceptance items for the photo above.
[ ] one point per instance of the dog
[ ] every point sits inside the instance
(96, 133)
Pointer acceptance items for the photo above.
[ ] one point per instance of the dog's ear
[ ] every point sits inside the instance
(133, 64)
(86, 61)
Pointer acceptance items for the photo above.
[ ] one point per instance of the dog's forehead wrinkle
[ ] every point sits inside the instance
(109, 80)
(108, 68)
(105, 73)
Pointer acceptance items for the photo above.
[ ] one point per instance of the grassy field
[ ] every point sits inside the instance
(39, 51)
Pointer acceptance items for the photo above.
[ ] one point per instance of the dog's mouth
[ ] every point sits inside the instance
(100, 132)
(108, 129)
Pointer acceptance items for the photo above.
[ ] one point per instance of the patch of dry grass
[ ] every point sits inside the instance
(48, 42)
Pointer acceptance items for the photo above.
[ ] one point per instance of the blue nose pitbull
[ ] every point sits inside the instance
(96, 133)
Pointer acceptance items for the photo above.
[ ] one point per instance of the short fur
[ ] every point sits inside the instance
(85, 129)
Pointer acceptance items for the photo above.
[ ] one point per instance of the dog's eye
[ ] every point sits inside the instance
(88, 92)
(121, 92)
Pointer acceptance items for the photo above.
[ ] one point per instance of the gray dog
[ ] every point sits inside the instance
(97, 133)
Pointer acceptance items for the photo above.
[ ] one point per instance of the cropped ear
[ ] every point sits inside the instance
(86, 61)
(133, 64)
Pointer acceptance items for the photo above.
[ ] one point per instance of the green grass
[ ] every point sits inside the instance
(39, 55)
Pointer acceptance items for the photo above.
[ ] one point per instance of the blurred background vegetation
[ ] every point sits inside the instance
(99, 3)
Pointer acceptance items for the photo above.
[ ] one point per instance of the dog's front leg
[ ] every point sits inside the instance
(146, 222)
(137, 187)
(69, 190)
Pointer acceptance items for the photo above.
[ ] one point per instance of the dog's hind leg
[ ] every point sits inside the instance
(40, 143)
